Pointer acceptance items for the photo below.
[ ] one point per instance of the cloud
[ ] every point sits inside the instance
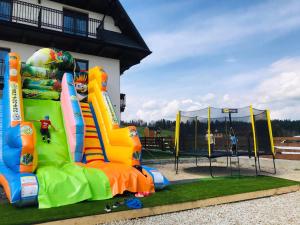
(164, 109)
(275, 87)
(282, 86)
(201, 36)
(208, 97)
(280, 90)
(152, 104)
(226, 98)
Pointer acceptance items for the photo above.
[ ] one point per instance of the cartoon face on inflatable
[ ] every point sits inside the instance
(81, 83)
(81, 88)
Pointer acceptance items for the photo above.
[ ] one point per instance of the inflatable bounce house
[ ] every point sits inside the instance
(62, 140)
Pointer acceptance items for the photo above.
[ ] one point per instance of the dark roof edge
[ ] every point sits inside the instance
(135, 30)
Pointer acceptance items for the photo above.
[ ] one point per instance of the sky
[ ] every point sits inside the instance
(214, 53)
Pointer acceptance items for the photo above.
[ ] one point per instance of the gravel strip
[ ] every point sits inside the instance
(287, 169)
(283, 209)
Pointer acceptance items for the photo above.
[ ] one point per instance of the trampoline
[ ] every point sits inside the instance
(224, 132)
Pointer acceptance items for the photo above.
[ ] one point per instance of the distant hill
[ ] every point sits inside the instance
(286, 128)
(281, 128)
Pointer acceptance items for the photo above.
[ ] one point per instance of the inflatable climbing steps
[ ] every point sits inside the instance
(92, 146)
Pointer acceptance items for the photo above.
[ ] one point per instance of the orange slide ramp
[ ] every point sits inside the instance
(121, 176)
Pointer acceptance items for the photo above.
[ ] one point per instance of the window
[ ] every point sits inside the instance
(75, 23)
(3, 54)
(82, 65)
(5, 10)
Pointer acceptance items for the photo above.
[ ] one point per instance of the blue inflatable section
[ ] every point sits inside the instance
(1, 132)
(78, 118)
(10, 152)
(13, 147)
(159, 180)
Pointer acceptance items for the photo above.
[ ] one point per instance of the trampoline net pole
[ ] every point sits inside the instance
(196, 134)
(208, 131)
(253, 131)
(177, 132)
(175, 136)
(270, 132)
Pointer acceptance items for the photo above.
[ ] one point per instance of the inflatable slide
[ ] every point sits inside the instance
(62, 141)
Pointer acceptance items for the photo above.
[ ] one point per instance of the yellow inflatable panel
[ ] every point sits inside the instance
(122, 145)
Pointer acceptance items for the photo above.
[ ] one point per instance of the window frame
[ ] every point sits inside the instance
(8, 50)
(75, 15)
(11, 10)
(82, 61)
(3, 65)
(5, 49)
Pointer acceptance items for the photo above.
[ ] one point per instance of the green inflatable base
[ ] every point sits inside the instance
(61, 182)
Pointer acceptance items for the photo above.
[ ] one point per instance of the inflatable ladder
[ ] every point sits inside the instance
(92, 147)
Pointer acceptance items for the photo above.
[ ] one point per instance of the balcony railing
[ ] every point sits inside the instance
(48, 18)
(158, 143)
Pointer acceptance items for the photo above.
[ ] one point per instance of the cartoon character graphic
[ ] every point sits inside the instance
(45, 57)
(81, 86)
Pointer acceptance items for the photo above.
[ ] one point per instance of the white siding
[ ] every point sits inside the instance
(111, 66)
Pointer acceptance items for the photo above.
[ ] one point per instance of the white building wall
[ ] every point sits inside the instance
(111, 66)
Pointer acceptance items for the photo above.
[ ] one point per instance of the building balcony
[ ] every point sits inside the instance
(39, 16)
(70, 30)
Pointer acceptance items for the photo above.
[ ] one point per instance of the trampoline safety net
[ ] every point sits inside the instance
(215, 132)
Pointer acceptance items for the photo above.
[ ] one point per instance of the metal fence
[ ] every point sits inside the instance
(44, 17)
(287, 141)
(158, 143)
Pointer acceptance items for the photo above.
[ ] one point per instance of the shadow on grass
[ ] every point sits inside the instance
(218, 171)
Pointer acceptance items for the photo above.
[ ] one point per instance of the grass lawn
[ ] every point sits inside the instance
(159, 154)
(140, 131)
(156, 154)
(202, 189)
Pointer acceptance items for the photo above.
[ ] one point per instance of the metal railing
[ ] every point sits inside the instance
(44, 17)
(2, 71)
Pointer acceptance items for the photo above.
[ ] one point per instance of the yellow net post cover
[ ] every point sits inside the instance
(270, 132)
(208, 131)
(253, 130)
(177, 131)
(196, 133)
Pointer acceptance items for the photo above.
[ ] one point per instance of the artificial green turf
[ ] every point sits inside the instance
(202, 189)
(151, 154)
